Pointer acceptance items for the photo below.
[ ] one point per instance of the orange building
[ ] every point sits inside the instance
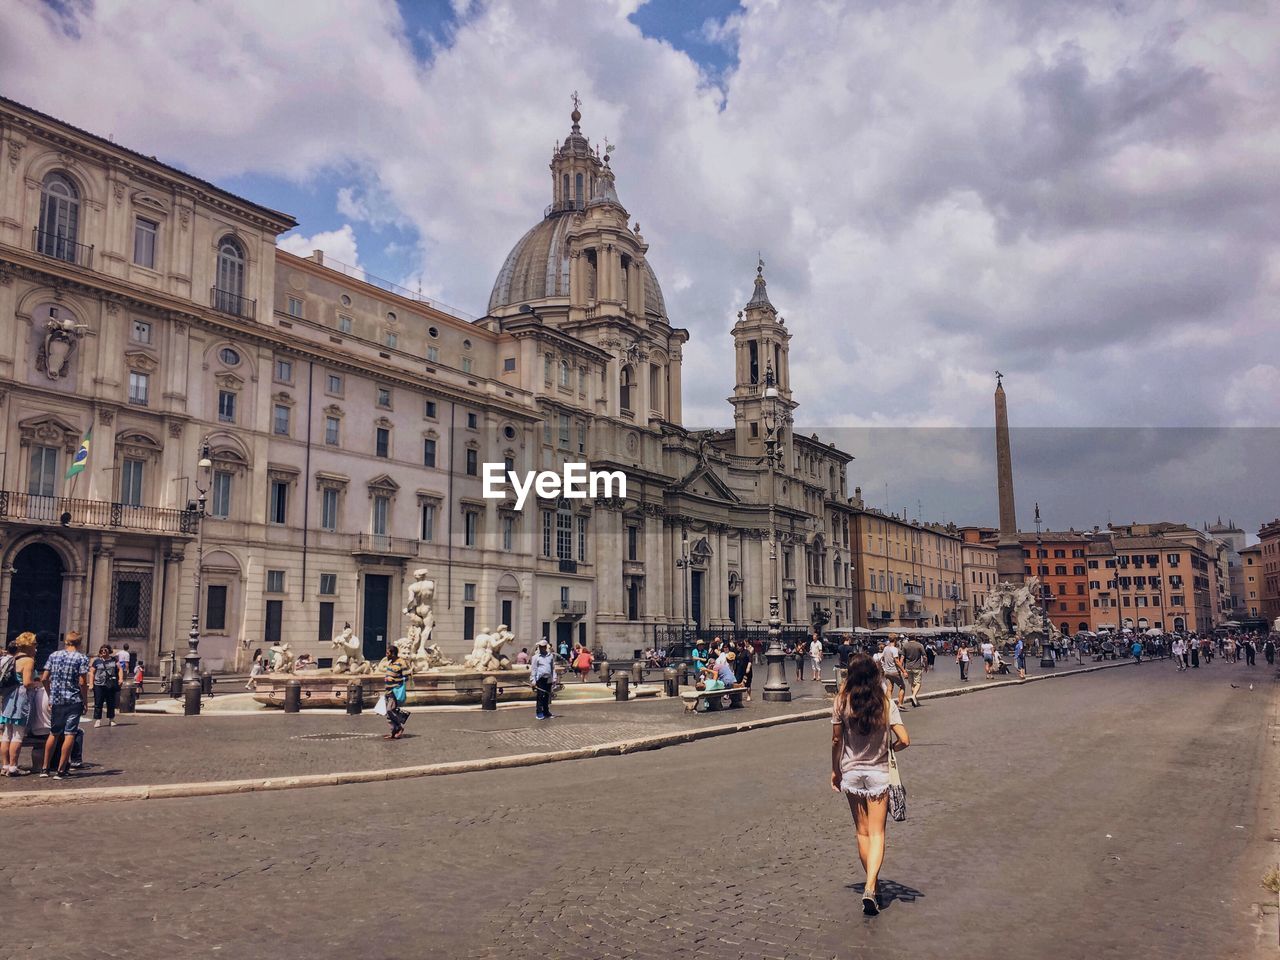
(1060, 563)
(1150, 582)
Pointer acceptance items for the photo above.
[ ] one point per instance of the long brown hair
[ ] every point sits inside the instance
(862, 702)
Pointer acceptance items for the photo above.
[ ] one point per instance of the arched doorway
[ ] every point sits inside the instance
(35, 597)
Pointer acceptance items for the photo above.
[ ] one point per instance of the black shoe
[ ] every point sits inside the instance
(870, 906)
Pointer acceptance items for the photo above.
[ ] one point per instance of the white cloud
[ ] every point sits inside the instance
(337, 245)
(1084, 195)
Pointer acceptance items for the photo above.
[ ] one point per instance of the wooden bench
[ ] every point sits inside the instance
(703, 701)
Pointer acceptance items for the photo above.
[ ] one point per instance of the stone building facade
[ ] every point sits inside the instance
(909, 574)
(347, 424)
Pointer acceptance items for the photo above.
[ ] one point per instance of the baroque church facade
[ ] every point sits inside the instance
(299, 437)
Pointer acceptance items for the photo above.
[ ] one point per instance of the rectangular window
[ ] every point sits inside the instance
(333, 384)
(429, 452)
(344, 324)
(471, 526)
(332, 425)
(275, 581)
(582, 438)
(139, 387)
(633, 543)
(429, 409)
(433, 354)
(284, 371)
(278, 504)
(381, 515)
(428, 531)
(215, 608)
(473, 463)
(280, 420)
(508, 364)
(295, 307)
(392, 340)
(144, 242)
(131, 483)
(564, 535)
(326, 621)
(472, 421)
(382, 443)
(140, 332)
(226, 406)
(508, 533)
(468, 593)
(328, 584)
(546, 533)
(466, 364)
(468, 623)
(562, 421)
(582, 538)
(384, 398)
(222, 494)
(329, 509)
(128, 605)
(273, 628)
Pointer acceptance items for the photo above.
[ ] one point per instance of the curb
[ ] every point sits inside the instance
(617, 748)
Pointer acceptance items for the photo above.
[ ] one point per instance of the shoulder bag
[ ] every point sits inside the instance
(897, 792)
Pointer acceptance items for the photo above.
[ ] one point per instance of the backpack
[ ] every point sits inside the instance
(8, 671)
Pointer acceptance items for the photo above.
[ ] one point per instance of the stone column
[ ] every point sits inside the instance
(100, 590)
(172, 583)
(6, 581)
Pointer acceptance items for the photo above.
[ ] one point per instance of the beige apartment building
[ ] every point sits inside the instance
(347, 423)
(1146, 582)
(978, 568)
(909, 574)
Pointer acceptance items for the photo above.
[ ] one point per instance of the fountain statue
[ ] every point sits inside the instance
(417, 645)
(281, 658)
(352, 658)
(1012, 610)
(487, 652)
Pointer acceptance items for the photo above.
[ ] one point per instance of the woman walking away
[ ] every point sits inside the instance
(397, 673)
(865, 723)
(17, 679)
(583, 662)
(106, 677)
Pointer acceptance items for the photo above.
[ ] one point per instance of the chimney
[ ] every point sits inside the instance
(318, 256)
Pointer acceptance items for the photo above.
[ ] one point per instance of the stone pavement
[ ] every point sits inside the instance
(158, 749)
(1125, 814)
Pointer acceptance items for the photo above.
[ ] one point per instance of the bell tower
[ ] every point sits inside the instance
(762, 403)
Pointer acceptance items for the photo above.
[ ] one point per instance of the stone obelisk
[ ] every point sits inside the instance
(1009, 562)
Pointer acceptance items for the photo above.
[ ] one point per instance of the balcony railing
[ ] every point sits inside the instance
(376, 543)
(232, 303)
(573, 608)
(62, 248)
(877, 614)
(561, 206)
(99, 514)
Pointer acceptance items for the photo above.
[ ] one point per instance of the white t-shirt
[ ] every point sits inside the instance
(988, 649)
(889, 659)
(815, 649)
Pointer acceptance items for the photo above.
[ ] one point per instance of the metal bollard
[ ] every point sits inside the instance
(206, 683)
(621, 688)
(128, 696)
(603, 667)
(191, 698)
(292, 696)
(489, 693)
(637, 673)
(355, 697)
(175, 687)
(671, 681)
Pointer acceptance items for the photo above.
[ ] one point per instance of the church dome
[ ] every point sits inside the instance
(537, 268)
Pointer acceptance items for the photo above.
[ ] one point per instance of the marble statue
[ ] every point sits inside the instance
(1013, 610)
(60, 340)
(487, 652)
(281, 658)
(352, 658)
(417, 646)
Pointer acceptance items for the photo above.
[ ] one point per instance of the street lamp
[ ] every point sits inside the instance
(191, 662)
(683, 563)
(775, 687)
(1046, 653)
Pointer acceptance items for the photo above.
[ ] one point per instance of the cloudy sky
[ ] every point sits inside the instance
(1085, 195)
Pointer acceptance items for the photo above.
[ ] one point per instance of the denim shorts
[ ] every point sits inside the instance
(65, 717)
(865, 780)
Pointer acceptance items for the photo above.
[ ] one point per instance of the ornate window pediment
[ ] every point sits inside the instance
(137, 445)
(331, 481)
(150, 203)
(140, 360)
(49, 431)
(229, 381)
(383, 485)
(282, 473)
(383, 422)
(283, 397)
(333, 410)
(429, 496)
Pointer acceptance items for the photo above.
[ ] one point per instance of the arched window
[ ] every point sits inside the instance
(577, 191)
(229, 286)
(624, 390)
(564, 187)
(59, 218)
(565, 379)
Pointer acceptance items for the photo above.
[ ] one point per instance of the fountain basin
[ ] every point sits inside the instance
(320, 688)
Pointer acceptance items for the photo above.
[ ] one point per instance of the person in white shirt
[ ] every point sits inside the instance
(988, 657)
(815, 654)
(891, 664)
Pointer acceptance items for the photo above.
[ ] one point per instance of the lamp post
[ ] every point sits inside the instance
(683, 563)
(191, 662)
(776, 687)
(1046, 654)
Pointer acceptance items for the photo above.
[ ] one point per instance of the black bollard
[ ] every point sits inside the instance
(671, 681)
(637, 673)
(206, 683)
(355, 697)
(603, 667)
(621, 687)
(489, 693)
(175, 687)
(128, 696)
(292, 696)
(191, 698)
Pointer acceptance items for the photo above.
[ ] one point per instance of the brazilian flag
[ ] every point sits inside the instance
(81, 457)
